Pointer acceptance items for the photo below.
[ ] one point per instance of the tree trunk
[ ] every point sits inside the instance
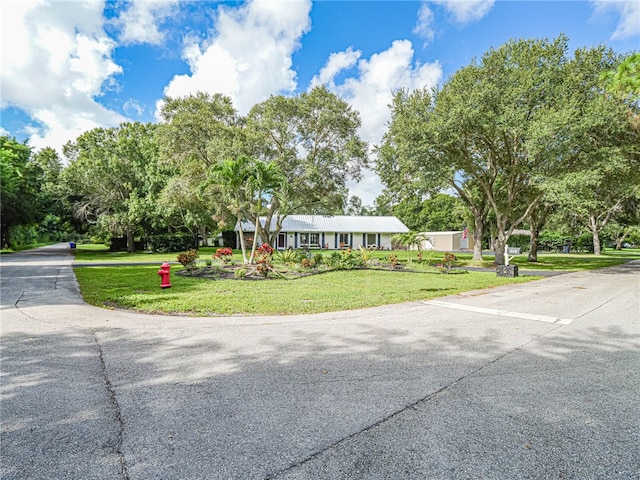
(131, 246)
(498, 248)
(478, 233)
(620, 238)
(533, 246)
(255, 242)
(243, 246)
(619, 242)
(499, 243)
(4, 243)
(205, 240)
(593, 224)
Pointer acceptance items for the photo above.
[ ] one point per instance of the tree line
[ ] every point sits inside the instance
(527, 136)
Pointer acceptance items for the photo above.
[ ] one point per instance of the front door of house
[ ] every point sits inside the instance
(282, 241)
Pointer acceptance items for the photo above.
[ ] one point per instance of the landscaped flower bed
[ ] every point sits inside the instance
(290, 265)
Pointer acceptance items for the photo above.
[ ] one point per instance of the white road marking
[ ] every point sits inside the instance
(502, 313)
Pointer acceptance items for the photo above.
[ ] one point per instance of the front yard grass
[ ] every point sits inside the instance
(137, 288)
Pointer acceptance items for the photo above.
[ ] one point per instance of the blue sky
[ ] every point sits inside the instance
(69, 66)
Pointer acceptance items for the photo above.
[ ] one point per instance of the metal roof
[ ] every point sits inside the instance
(336, 223)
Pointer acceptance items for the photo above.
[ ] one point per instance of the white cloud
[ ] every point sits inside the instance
(424, 25)
(248, 56)
(132, 106)
(466, 11)
(460, 11)
(62, 123)
(371, 93)
(3, 132)
(629, 16)
(56, 59)
(338, 61)
(140, 22)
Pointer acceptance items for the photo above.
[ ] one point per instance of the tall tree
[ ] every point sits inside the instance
(113, 176)
(231, 177)
(440, 212)
(198, 132)
(412, 165)
(19, 186)
(313, 140)
(624, 80)
(266, 183)
(600, 145)
(52, 194)
(502, 127)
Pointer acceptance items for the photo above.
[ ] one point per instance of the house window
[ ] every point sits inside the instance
(343, 240)
(372, 239)
(309, 240)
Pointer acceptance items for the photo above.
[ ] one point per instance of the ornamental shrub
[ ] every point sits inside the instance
(288, 257)
(264, 249)
(307, 263)
(223, 254)
(188, 259)
(265, 253)
(448, 259)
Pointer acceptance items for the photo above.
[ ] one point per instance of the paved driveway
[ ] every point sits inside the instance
(539, 380)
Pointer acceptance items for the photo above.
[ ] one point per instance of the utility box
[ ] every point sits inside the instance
(507, 271)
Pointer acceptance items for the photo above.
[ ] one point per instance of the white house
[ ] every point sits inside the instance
(332, 231)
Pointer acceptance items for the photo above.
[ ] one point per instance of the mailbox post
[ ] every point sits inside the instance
(507, 270)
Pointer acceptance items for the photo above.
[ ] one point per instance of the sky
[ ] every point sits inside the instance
(68, 66)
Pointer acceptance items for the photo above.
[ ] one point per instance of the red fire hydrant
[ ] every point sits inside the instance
(165, 275)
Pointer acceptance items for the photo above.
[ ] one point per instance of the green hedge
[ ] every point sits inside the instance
(169, 242)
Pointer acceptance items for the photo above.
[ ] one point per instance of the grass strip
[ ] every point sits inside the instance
(137, 288)
(546, 261)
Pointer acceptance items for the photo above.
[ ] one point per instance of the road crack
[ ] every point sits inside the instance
(410, 406)
(116, 407)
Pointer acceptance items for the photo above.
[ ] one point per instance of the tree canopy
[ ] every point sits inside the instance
(114, 178)
(18, 186)
(500, 129)
(313, 140)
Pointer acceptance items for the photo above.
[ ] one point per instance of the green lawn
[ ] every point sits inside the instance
(137, 287)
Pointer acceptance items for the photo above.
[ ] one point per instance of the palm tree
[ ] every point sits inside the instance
(411, 238)
(245, 185)
(264, 183)
(231, 178)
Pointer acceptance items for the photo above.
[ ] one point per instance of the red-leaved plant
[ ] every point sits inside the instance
(223, 254)
(265, 252)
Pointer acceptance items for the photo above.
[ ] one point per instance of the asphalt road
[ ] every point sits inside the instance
(539, 380)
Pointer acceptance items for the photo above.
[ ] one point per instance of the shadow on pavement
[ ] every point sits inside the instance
(311, 403)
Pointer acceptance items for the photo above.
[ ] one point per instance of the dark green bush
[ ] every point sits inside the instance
(520, 241)
(553, 241)
(169, 242)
